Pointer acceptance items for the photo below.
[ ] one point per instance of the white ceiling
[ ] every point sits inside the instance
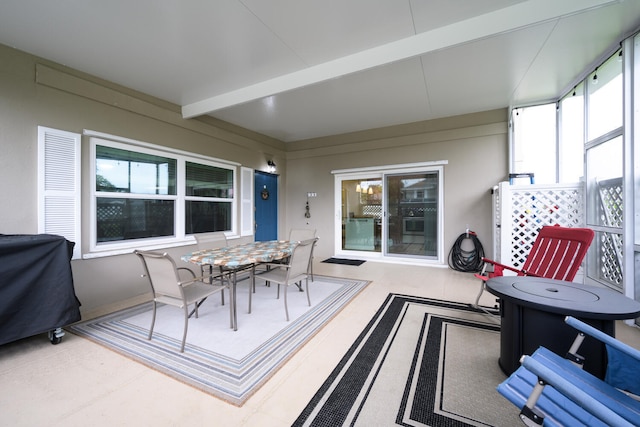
(300, 69)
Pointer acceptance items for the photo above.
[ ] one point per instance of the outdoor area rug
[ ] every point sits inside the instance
(344, 261)
(227, 364)
(419, 362)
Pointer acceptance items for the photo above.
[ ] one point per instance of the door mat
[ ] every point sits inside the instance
(344, 261)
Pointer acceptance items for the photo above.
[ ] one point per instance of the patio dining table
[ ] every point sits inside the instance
(232, 259)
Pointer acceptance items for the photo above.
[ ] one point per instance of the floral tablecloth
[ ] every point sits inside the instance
(242, 255)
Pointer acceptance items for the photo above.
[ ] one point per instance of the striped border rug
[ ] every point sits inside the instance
(226, 364)
(419, 362)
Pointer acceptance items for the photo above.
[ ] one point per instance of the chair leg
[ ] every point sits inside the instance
(153, 320)
(307, 287)
(186, 324)
(233, 298)
(222, 282)
(232, 304)
(253, 281)
(477, 303)
(482, 286)
(286, 309)
(529, 415)
(211, 279)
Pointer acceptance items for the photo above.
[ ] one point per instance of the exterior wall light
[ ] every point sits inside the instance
(272, 166)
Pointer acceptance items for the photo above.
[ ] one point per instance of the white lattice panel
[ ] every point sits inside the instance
(521, 210)
(610, 258)
(610, 245)
(611, 202)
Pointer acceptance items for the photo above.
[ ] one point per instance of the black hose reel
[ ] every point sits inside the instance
(466, 253)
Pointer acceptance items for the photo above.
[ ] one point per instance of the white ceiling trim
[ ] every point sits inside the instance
(501, 21)
(387, 168)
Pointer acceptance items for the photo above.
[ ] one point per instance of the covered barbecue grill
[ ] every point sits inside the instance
(36, 287)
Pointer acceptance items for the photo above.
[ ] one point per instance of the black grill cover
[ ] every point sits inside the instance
(36, 285)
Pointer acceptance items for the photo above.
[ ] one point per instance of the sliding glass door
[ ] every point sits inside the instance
(391, 212)
(412, 214)
(361, 220)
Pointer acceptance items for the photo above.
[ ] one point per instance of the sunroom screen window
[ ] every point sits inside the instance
(605, 98)
(534, 145)
(122, 171)
(571, 162)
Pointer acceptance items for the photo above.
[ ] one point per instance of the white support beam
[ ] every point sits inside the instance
(520, 15)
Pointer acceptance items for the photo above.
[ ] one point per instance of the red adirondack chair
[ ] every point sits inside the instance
(556, 253)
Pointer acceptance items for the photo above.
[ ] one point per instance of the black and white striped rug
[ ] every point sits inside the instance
(419, 362)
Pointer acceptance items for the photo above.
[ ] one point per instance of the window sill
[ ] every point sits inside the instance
(142, 246)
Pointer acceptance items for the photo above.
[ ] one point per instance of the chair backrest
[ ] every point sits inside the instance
(214, 240)
(301, 257)
(558, 252)
(300, 234)
(162, 272)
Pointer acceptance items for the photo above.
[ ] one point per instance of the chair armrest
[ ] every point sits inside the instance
(507, 267)
(275, 264)
(574, 392)
(194, 279)
(601, 336)
(623, 367)
(188, 270)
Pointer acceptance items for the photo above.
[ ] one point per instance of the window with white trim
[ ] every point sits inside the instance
(144, 194)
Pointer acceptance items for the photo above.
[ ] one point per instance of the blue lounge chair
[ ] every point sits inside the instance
(555, 391)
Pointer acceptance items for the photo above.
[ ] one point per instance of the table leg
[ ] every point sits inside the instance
(252, 285)
(234, 308)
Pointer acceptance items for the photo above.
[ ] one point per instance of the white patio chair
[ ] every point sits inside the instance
(300, 234)
(214, 240)
(168, 288)
(296, 270)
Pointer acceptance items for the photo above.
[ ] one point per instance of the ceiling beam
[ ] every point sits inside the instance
(511, 18)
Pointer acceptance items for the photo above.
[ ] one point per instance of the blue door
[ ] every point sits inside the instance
(266, 206)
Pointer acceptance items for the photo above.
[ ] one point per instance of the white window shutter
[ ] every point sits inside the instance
(59, 185)
(246, 198)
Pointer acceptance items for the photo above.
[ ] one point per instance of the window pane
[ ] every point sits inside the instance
(125, 219)
(605, 98)
(604, 172)
(572, 136)
(412, 202)
(209, 181)
(534, 148)
(123, 171)
(362, 214)
(203, 217)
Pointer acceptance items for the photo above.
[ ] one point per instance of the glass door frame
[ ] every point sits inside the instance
(380, 172)
(340, 248)
(412, 208)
